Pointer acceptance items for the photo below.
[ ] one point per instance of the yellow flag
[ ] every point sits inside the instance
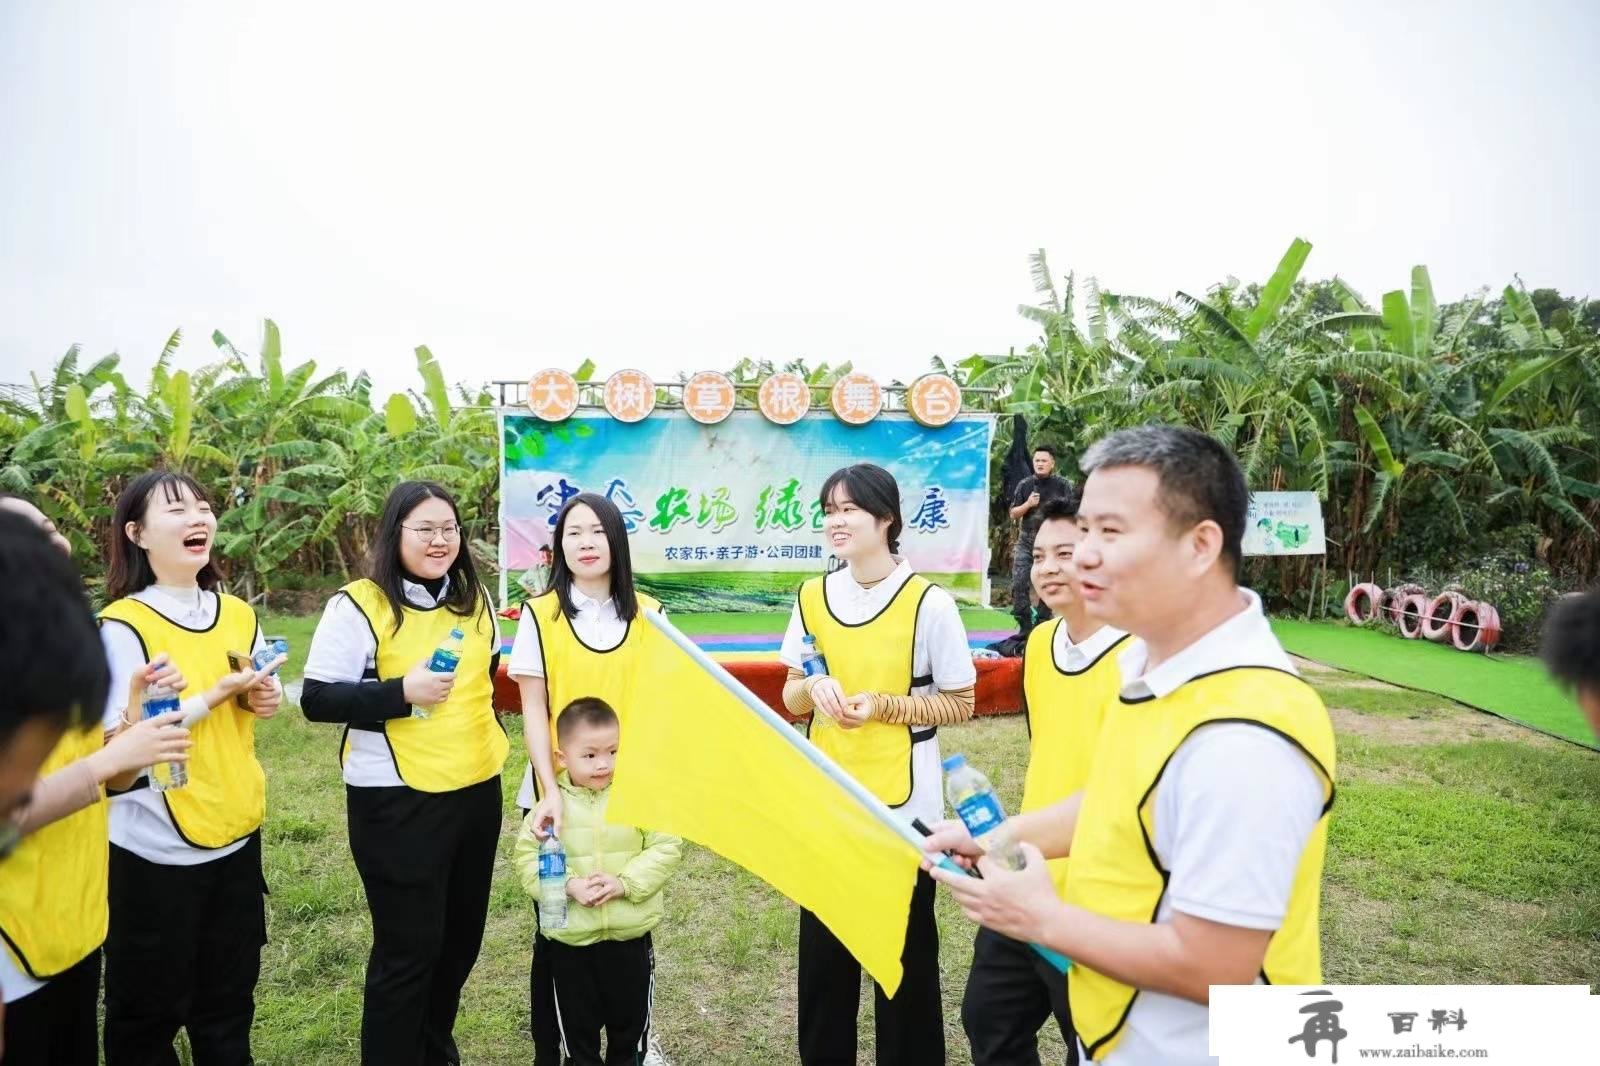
(700, 762)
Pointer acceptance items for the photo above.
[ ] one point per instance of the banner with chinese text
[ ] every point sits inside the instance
(726, 517)
(1284, 523)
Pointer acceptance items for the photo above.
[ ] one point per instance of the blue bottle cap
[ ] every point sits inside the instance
(955, 762)
(457, 633)
(808, 639)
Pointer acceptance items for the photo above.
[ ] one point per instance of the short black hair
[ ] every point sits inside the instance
(1046, 447)
(1199, 479)
(590, 711)
(57, 668)
(871, 488)
(1571, 648)
(1058, 508)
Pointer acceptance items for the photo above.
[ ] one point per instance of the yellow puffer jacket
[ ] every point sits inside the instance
(640, 859)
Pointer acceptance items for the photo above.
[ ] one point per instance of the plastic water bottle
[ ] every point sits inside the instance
(811, 660)
(446, 657)
(159, 699)
(552, 884)
(975, 801)
(269, 653)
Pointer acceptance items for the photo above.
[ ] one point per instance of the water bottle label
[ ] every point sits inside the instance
(553, 865)
(813, 665)
(161, 706)
(980, 813)
(443, 663)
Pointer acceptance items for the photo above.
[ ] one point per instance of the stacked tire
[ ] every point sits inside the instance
(1448, 618)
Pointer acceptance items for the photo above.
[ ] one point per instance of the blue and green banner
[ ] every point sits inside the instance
(726, 517)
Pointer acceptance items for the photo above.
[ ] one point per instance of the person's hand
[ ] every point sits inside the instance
(231, 685)
(1033, 499)
(158, 671)
(266, 695)
(950, 835)
(827, 694)
(607, 888)
(582, 890)
(1018, 904)
(857, 711)
(145, 743)
(424, 688)
(546, 816)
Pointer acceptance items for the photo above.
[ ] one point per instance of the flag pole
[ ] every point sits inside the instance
(810, 751)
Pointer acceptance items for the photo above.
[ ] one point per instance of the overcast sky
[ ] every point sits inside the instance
(673, 186)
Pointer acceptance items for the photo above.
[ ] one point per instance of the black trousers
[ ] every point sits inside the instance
(425, 861)
(609, 985)
(57, 1024)
(542, 1003)
(1010, 993)
(184, 951)
(909, 1027)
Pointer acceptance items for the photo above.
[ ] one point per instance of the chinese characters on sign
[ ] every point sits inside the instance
(553, 395)
(708, 397)
(630, 395)
(857, 399)
(784, 398)
(934, 400)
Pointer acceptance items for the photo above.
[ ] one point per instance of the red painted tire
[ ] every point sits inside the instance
(1468, 630)
(1361, 606)
(1389, 602)
(1413, 609)
(1491, 628)
(1440, 617)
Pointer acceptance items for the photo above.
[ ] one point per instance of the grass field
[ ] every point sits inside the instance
(1463, 849)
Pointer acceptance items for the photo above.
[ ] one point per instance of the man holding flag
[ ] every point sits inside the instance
(1197, 843)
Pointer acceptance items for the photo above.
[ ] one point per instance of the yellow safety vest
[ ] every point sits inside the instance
(226, 797)
(573, 669)
(1114, 869)
(870, 656)
(1064, 714)
(53, 887)
(461, 742)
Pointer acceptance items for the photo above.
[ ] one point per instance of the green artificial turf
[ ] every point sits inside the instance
(1513, 687)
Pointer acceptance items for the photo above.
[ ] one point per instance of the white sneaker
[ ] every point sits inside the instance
(653, 1055)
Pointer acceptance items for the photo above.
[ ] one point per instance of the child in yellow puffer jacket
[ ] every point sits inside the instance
(602, 960)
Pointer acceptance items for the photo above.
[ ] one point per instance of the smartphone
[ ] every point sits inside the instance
(239, 661)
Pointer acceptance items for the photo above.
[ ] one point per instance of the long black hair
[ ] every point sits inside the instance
(129, 570)
(874, 490)
(383, 562)
(611, 524)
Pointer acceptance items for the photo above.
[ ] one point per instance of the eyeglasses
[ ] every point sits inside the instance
(427, 533)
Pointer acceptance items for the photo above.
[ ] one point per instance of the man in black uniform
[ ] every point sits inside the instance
(1033, 492)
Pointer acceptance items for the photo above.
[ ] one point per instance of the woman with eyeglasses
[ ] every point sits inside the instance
(421, 754)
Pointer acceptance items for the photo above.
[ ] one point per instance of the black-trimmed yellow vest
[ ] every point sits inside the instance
(461, 742)
(226, 797)
(573, 669)
(1115, 871)
(871, 656)
(53, 910)
(1065, 710)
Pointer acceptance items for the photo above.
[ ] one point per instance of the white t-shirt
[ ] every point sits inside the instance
(1075, 658)
(139, 820)
(940, 650)
(1231, 840)
(345, 651)
(596, 624)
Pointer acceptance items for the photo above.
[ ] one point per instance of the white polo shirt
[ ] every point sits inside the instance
(1076, 658)
(1231, 839)
(939, 650)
